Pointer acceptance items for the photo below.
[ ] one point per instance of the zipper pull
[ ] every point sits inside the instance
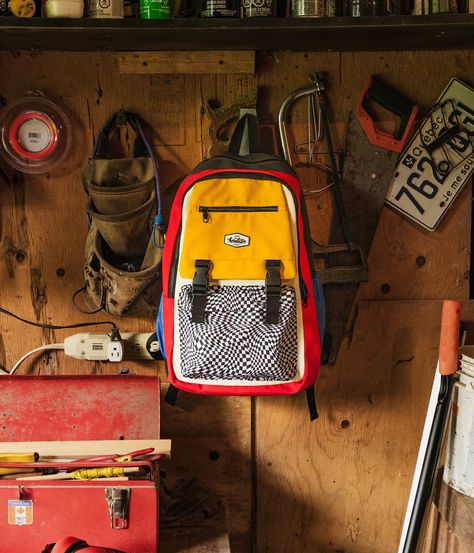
(205, 214)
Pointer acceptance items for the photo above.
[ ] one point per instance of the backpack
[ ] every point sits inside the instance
(242, 310)
(71, 545)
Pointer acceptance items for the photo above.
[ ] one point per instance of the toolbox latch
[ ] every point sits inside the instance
(118, 500)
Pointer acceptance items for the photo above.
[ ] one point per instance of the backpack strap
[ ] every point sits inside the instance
(245, 138)
(273, 291)
(72, 545)
(171, 395)
(311, 400)
(200, 290)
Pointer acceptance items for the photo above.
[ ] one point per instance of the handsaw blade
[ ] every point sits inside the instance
(366, 176)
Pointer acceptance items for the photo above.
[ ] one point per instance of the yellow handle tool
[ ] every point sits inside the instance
(16, 458)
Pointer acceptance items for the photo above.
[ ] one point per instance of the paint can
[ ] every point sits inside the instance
(105, 9)
(309, 8)
(459, 466)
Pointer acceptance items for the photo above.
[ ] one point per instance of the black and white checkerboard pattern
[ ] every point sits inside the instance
(235, 343)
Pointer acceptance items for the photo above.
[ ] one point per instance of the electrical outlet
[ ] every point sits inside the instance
(94, 346)
(115, 351)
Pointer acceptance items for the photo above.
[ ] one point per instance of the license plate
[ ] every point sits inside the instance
(432, 171)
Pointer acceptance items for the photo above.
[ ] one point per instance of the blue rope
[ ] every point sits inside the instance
(157, 223)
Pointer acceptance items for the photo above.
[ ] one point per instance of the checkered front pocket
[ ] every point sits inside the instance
(235, 343)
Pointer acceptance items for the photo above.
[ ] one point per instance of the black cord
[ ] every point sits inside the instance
(56, 327)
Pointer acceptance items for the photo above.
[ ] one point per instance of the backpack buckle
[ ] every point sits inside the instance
(273, 291)
(200, 289)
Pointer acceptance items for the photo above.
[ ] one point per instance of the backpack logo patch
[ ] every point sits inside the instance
(237, 240)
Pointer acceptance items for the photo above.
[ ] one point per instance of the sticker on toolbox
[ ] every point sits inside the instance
(431, 170)
(20, 511)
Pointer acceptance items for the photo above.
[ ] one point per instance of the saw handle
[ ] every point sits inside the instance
(449, 337)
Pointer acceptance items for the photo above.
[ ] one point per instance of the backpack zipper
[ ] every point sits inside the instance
(205, 210)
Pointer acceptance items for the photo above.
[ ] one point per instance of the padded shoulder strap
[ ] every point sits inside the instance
(68, 544)
(245, 138)
(71, 544)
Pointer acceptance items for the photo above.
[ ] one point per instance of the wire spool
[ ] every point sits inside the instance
(35, 135)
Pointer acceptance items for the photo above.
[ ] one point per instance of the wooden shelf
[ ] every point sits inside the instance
(435, 32)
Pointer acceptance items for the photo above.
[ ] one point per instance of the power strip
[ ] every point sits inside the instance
(94, 346)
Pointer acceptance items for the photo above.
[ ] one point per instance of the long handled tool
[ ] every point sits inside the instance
(340, 279)
(434, 429)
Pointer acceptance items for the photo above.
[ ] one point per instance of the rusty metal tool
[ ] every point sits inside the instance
(345, 260)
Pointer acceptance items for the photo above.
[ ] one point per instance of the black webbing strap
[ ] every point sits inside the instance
(273, 291)
(311, 400)
(200, 289)
(171, 395)
(245, 139)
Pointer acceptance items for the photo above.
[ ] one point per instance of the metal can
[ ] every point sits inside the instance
(220, 8)
(374, 7)
(258, 8)
(309, 8)
(155, 9)
(105, 9)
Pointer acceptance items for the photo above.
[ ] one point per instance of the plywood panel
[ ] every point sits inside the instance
(344, 489)
(43, 229)
(320, 487)
(341, 484)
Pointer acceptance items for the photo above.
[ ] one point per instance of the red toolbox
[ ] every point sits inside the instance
(34, 513)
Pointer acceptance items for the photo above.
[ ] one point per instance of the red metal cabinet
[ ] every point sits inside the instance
(34, 513)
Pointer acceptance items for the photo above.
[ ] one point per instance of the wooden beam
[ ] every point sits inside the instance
(457, 510)
(90, 447)
(186, 62)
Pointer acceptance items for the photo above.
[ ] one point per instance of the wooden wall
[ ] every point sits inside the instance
(288, 486)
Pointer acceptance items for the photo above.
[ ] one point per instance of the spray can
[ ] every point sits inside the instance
(309, 8)
(220, 8)
(259, 8)
(155, 9)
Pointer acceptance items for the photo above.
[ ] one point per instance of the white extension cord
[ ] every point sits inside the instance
(102, 346)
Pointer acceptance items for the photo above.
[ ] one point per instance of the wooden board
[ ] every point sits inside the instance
(43, 229)
(342, 483)
(186, 62)
(90, 448)
(311, 487)
(457, 510)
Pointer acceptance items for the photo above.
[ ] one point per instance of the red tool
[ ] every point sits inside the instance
(118, 458)
(379, 93)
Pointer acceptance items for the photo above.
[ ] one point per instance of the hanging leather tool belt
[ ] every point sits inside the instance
(124, 242)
